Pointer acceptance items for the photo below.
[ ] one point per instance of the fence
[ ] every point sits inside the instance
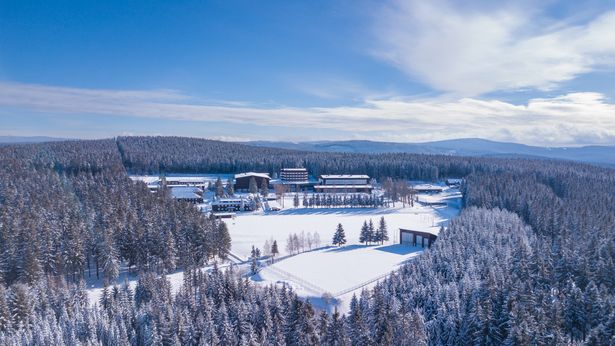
(318, 291)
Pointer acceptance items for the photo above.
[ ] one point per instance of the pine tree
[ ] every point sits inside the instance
(222, 240)
(371, 232)
(230, 189)
(364, 236)
(254, 255)
(274, 249)
(219, 188)
(339, 238)
(21, 304)
(252, 186)
(383, 234)
(264, 188)
(5, 314)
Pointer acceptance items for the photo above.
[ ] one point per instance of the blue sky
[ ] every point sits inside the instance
(287, 70)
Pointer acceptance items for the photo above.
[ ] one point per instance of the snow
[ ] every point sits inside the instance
(255, 228)
(336, 269)
(340, 272)
(186, 192)
(344, 176)
(252, 174)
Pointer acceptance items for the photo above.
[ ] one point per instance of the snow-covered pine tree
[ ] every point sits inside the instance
(373, 237)
(264, 188)
(383, 234)
(339, 238)
(364, 236)
(252, 186)
(274, 249)
(219, 188)
(230, 189)
(254, 255)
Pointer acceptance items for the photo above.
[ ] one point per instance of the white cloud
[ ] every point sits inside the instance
(469, 51)
(578, 118)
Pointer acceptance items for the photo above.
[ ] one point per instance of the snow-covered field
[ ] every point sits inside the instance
(339, 272)
(255, 228)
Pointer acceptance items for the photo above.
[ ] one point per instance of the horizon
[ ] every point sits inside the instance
(273, 141)
(393, 71)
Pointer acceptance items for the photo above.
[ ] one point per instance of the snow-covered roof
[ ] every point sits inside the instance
(344, 176)
(252, 174)
(181, 193)
(343, 187)
(431, 230)
(294, 170)
(293, 182)
(186, 179)
(148, 179)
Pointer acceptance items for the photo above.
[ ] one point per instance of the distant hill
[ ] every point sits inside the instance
(28, 139)
(603, 155)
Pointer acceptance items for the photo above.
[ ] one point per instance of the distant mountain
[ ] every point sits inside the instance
(603, 155)
(28, 139)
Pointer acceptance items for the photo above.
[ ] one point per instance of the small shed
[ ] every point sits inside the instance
(416, 238)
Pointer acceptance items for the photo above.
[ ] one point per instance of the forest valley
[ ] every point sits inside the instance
(530, 260)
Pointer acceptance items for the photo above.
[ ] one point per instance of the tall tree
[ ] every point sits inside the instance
(219, 188)
(230, 189)
(364, 236)
(383, 234)
(339, 238)
(252, 186)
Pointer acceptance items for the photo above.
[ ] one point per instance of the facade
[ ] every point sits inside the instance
(242, 180)
(346, 183)
(294, 175)
(295, 180)
(231, 205)
(183, 181)
(416, 238)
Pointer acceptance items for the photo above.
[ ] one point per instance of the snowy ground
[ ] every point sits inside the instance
(339, 272)
(249, 229)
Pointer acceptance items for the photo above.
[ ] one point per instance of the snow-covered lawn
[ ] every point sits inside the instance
(249, 229)
(339, 272)
(336, 269)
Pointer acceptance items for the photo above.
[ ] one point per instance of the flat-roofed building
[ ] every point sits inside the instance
(242, 180)
(190, 194)
(231, 204)
(294, 175)
(417, 238)
(344, 183)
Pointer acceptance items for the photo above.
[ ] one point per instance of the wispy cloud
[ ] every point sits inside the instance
(578, 118)
(470, 51)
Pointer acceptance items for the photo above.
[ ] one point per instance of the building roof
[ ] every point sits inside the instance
(186, 179)
(344, 176)
(432, 230)
(343, 186)
(252, 174)
(185, 193)
(294, 170)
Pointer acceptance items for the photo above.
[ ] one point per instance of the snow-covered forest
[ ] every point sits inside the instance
(530, 260)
